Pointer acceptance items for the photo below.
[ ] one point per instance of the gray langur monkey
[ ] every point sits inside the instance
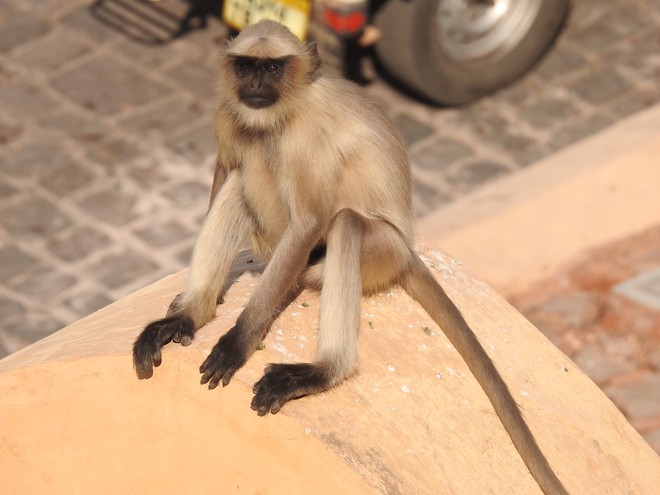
(317, 178)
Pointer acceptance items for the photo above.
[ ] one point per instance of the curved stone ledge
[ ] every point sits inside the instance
(75, 419)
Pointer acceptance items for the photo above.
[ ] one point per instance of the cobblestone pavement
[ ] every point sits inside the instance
(106, 150)
(590, 312)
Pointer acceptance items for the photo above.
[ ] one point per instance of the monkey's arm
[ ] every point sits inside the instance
(219, 177)
(277, 283)
(225, 229)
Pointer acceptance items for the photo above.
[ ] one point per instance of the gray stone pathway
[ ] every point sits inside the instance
(106, 151)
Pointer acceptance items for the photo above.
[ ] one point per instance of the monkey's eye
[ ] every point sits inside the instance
(244, 68)
(272, 68)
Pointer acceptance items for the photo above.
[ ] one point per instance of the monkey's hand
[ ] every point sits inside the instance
(146, 350)
(283, 382)
(226, 358)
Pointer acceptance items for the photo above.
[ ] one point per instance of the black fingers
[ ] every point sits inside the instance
(227, 356)
(146, 350)
(284, 382)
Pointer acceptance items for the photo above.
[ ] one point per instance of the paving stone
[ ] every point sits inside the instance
(574, 132)
(65, 178)
(32, 328)
(113, 152)
(115, 270)
(639, 399)
(52, 51)
(82, 128)
(151, 56)
(643, 289)
(427, 198)
(198, 79)
(34, 158)
(627, 20)
(13, 260)
(211, 38)
(114, 205)
(189, 193)
(45, 282)
(486, 123)
(20, 29)
(7, 75)
(601, 86)
(167, 117)
(6, 190)
(634, 103)
(162, 234)
(149, 175)
(583, 12)
(78, 243)
(9, 132)
(146, 22)
(185, 255)
(51, 7)
(518, 94)
(641, 59)
(530, 154)
(10, 309)
(596, 38)
(33, 217)
(560, 62)
(511, 141)
(481, 119)
(654, 361)
(653, 439)
(196, 144)
(576, 309)
(475, 173)
(84, 22)
(5, 10)
(26, 102)
(87, 303)
(600, 365)
(548, 112)
(412, 129)
(441, 153)
(107, 86)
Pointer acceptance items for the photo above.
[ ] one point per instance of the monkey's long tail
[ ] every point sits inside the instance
(421, 286)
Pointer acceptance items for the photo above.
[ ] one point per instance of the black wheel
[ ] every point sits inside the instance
(454, 51)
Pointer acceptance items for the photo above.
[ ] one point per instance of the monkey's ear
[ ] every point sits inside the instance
(316, 66)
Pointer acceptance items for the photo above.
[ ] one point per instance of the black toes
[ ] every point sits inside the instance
(146, 350)
(284, 382)
(226, 357)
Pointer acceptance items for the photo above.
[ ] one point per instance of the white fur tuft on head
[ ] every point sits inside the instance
(266, 39)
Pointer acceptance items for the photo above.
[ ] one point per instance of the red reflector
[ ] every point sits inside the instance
(345, 23)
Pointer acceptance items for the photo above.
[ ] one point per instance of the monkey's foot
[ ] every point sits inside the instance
(146, 350)
(226, 358)
(284, 382)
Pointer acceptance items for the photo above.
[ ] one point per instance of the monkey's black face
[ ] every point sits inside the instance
(259, 80)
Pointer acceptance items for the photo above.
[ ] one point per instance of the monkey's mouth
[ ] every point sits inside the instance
(257, 102)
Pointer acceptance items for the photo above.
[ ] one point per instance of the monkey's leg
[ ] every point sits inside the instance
(419, 283)
(338, 328)
(278, 280)
(225, 229)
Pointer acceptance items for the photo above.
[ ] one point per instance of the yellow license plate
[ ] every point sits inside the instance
(294, 14)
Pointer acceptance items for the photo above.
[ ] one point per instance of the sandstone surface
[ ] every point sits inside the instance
(75, 419)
